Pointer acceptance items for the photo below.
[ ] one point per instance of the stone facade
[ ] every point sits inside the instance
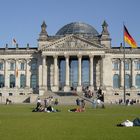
(26, 72)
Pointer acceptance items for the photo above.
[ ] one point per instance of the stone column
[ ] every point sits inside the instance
(67, 79)
(132, 74)
(40, 69)
(6, 77)
(55, 75)
(122, 73)
(91, 87)
(17, 75)
(44, 72)
(101, 72)
(28, 73)
(79, 87)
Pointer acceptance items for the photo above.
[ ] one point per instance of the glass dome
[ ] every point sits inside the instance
(77, 28)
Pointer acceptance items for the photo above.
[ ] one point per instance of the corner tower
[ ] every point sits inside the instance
(105, 37)
(43, 36)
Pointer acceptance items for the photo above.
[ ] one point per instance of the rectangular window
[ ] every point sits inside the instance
(137, 65)
(115, 65)
(22, 66)
(1, 66)
(22, 81)
(126, 66)
(12, 66)
(33, 66)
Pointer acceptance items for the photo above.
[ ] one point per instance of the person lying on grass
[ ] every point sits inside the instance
(127, 123)
(79, 109)
(76, 110)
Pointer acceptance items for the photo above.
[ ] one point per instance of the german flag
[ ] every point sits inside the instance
(128, 38)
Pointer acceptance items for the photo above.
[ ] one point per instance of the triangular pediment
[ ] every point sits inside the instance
(72, 42)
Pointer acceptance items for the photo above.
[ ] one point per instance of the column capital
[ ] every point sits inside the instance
(28, 59)
(79, 55)
(43, 56)
(132, 59)
(55, 56)
(1, 59)
(102, 56)
(66, 55)
(5, 59)
(91, 56)
(17, 59)
(122, 59)
(119, 59)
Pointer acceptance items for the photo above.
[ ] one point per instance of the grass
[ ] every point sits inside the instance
(17, 122)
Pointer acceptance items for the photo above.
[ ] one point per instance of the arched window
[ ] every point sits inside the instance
(115, 65)
(1, 66)
(22, 80)
(12, 65)
(33, 81)
(22, 66)
(138, 80)
(127, 81)
(12, 80)
(34, 64)
(116, 82)
(127, 65)
(1, 80)
(137, 65)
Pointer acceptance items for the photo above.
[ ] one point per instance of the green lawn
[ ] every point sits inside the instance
(17, 122)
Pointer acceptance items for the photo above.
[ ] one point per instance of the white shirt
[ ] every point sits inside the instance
(127, 123)
(39, 101)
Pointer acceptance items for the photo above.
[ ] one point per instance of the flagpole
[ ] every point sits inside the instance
(129, 40)
(124, 89)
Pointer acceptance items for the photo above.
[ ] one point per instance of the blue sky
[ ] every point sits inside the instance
(21, 19)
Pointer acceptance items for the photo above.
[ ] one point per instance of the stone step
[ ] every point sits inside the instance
(32, 98)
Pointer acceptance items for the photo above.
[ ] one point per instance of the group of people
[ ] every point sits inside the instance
(127, 102)
(48, 102)
(87, 93)
(98, 100)
(130, 101)
(47, 106)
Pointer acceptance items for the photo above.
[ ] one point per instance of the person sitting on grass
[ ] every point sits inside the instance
(79, 109)
(39, 108)
(8, 101)
(51, 109)
(56, 102)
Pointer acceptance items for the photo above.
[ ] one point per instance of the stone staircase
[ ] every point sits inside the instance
(65, 98)
(31, 98)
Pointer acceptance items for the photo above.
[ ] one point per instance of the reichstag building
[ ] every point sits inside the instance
(76, 56)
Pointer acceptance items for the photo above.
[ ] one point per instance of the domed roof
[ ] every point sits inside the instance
(77, 28)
